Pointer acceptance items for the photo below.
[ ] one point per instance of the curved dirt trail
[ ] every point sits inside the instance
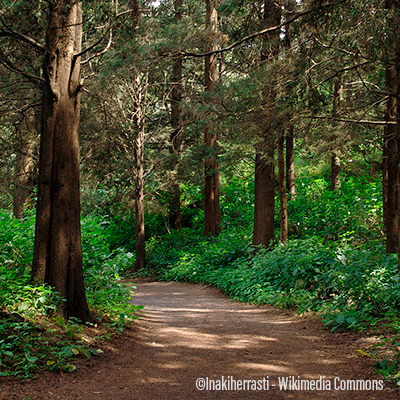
(192, 331)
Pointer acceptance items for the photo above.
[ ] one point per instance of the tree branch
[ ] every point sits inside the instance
(10, 66)
(354, 121)
(32, 42)
(99, 53)
(351, 67)
(259, 33)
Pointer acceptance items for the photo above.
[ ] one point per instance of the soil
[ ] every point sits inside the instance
(187, 332)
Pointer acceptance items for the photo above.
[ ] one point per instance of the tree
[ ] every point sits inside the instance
(264, 178)
(57, 249)
(290, 175)
(391, 150)
(335, 157)
(26, 132)
(282, 191)
(212, 217)
(139, 93)
(175, 212)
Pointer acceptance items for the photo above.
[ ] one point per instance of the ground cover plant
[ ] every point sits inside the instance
(32, 335)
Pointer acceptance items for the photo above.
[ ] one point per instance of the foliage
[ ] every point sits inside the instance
(352, 213)
(32, 336)
(350, 287)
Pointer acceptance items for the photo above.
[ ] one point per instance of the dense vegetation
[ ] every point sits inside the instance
(32, 335)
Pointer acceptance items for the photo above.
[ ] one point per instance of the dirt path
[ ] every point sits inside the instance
(191, 331)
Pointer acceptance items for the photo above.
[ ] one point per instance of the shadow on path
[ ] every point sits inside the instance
(187, 332)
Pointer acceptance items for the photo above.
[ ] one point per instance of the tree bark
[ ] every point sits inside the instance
(390, 165)
(57, 249)
(264, 196)
(140, 98)
(290, 175)
(335, 170)
(282, 192)
(336, 154)
(24, 165)
(139, 203)
(212, 216)
(264, 179)
(175, 212)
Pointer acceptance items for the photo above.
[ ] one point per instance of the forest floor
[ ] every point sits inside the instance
(188, 332)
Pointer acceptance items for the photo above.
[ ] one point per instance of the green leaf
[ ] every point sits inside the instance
(75, 351)
(69, 367)
(31, 359)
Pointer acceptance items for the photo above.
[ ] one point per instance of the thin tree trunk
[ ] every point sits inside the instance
(336, 154)
(140, 93)
(264, 196)
(175, 212)
(24, 165)
(139, 202)
(290, 175)
(385, 181)
(282, 192)
(212, 217)
(335, 170)
(57, 250)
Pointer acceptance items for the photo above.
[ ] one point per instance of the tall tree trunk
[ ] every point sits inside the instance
(140, 94)
(175, 212)
(139, 202)
(336, 154)
(335, 170)
(290, 176)
(264, 179)
(57, 250)
(385, 181)
(24, 165)
(282, 192)
(391, 178)
(212, 216)
(264, 195)
(391, 152)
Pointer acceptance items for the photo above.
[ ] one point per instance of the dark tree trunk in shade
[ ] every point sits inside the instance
(290, 175)
(264, 179)
(212, 217)
(264, 196)
(390, 165)
(283, 212)
(57, 250)
(175, 212)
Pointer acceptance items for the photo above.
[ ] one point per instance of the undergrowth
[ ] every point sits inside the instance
(334, 263)
(32, 335)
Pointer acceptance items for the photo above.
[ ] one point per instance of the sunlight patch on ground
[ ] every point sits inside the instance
(265, 367)
(193, 339)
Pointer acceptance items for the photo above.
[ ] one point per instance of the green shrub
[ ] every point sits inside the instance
(347, 285)
(351, 213)
(31, 335)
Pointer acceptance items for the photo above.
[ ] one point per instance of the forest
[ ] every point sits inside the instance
(248, 145)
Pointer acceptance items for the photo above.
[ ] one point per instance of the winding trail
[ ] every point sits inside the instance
(192, 331)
